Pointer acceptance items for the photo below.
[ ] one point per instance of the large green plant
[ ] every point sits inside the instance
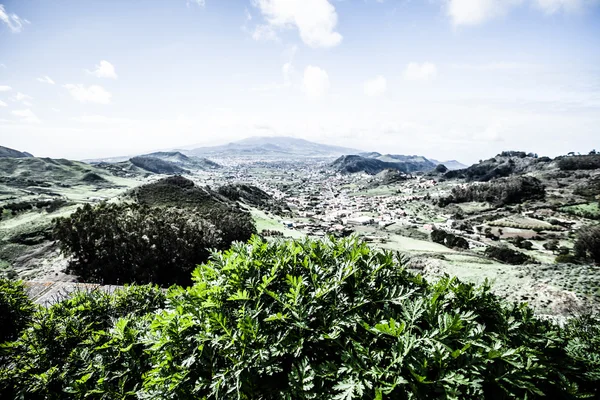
(307, 319)
(334, 319)
(15, 309)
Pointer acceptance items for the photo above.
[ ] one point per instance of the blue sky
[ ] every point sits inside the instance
(448, 79)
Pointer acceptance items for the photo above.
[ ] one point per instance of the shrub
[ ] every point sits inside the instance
(507, 255)
(129, 243)
(448, 239)
(500, 192)
(521, 243)
(67, 343)
(587, 244)
(572, 163)
(15, 309)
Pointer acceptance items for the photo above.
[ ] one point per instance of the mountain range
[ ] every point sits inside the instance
(278, 146)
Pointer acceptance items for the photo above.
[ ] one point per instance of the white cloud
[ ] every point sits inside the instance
(91, 94)
(13, 21)
(288, 71)
(375, 87)
(46, 79)
(4, 88)
(3, 65)
(3, 104)
(265, 33)
(101, 119)
(315, 19)
(199, 3)
(104, 70)
(55, 109)
(475, 12)
(26, 116)
(21, 97)
(420, 72)
(553, 6)
(316, 82)
(27, 103)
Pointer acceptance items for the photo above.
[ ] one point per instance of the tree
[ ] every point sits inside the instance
(587, 244)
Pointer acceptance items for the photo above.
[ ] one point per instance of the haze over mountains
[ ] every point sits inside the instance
(272, 146)
(276, 148)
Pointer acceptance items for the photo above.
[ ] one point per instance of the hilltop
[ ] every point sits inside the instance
(277, 146)
(377, 163)
(8, 152)
(504, 164)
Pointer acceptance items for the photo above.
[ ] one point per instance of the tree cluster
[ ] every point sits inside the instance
(131, 243)
(512, 190)
(448, 239)
(571, 163)
(507, 255)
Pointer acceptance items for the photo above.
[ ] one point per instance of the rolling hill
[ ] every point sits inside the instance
(354, 163)
(12, 153)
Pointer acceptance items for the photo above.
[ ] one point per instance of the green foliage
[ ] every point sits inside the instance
(587, 245)
(507, 255)
(572, 163)
(501, 192)
(448, 239)
(129, 243)
(68, 343)
(307, 319)
(15, 309)
(521, 243)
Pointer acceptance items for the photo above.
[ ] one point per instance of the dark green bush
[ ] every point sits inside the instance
(587, 244)
(521, 243)
(572, 163)
(500, 192)
(129, 243)
(69, 340)
(15, 309)
(507, 255)
(448, 239)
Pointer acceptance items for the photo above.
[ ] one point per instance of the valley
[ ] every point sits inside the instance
(488, 205)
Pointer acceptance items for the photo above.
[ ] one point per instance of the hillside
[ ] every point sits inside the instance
(354, 163)
(183, 161)
(157, 165)
(450, 164)
(504, 164)
(179, 192)
(272, 147)
(7, 152)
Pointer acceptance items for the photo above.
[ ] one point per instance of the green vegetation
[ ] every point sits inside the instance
(507, 255)
(308, 319)
(15, 310)
(588, 210)
(587, 245)
(571, 163)
(131, 243)
(448, 239)
(512, 190)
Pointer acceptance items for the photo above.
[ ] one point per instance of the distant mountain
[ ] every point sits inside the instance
(181, 160)
(450, 164)
(157, 165)
(277, 146)
(7, 152)
(353, 163)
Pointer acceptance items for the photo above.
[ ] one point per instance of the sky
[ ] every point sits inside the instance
(447, 79)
